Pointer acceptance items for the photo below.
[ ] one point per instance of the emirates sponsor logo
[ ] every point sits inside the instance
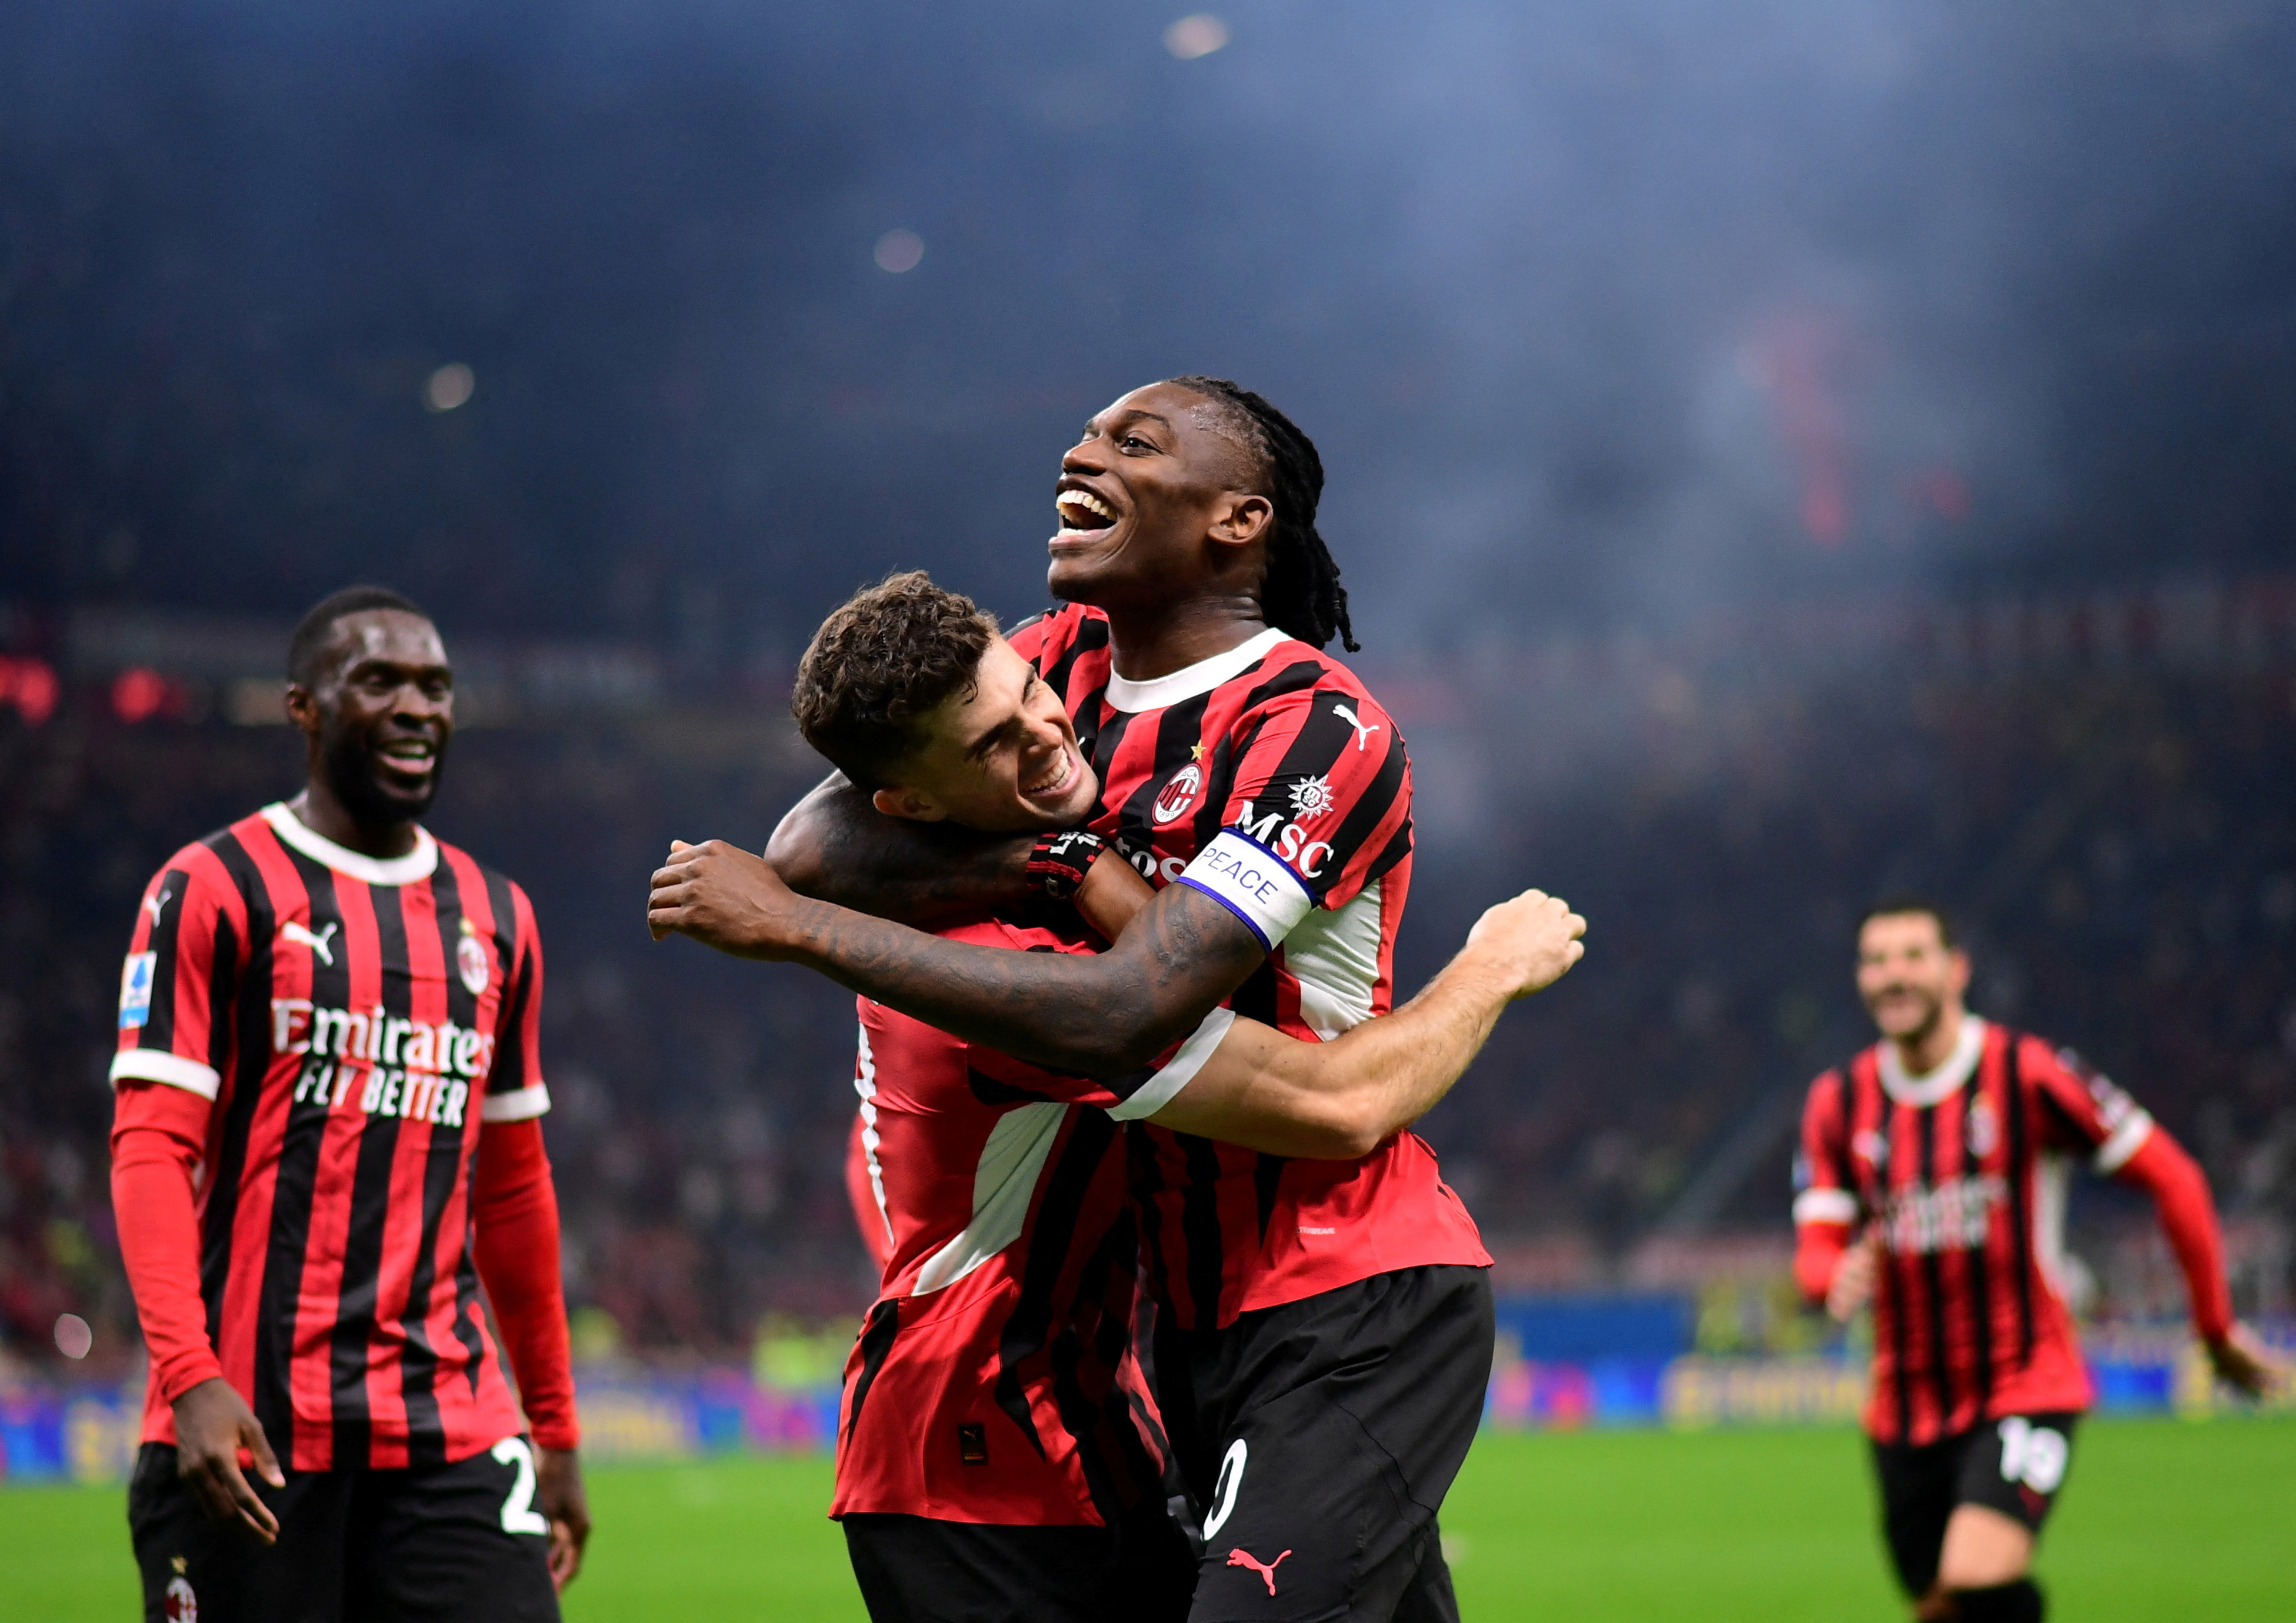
(1953, 1216)
(389, 1066)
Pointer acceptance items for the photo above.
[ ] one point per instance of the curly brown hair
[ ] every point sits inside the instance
(881, 663)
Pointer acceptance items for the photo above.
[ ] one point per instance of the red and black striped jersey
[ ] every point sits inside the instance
(1269, 779)
(993, 1380)
(1961, 1174)
(354, 1021)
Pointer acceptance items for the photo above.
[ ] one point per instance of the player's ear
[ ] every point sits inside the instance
(302, 707)
(1242, 517)
(908, 803)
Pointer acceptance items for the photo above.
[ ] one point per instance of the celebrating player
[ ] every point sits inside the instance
(1943, 1150)
(989, 1456)
(325, 1138)
(1324, 1328)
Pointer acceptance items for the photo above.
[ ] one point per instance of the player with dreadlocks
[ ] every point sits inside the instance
(1323, 1327)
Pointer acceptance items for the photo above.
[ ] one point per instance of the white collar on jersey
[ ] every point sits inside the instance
(1190, 680)
(418, 864)
(1946, 1081)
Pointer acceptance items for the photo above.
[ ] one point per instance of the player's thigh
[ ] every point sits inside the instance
(920, 1570)
(2009, 1478)
(462, 1543)
(192, 1567)
(1429, 1597)
(1919, 1488)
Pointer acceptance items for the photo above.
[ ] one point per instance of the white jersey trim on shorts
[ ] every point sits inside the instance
(416, 865)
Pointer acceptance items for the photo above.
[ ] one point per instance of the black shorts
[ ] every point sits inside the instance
(444, 1543)
(920, 1570)
(1317, 1439)
(2014, 1465)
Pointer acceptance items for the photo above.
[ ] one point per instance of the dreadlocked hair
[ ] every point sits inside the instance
(1300, 594)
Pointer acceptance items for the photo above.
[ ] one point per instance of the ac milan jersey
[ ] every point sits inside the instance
(1962, 1176)
(994, 1379)
(354, 1021)
(1268, 778)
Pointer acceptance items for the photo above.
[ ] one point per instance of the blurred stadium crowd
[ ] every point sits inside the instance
(2100, 787)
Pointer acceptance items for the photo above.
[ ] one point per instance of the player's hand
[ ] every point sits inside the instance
(213, 1423)
(723, 896)
(558, 1495)
(1853, 1279)
(1530, 942)
(2243, 1361)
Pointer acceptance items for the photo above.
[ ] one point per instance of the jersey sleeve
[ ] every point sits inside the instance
(515, 1086)
(178, 986)
(2083, 1109)
(1319, 807)
(1821, 1168)
(1043, 639)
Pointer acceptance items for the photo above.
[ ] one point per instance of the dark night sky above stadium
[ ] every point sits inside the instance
(1598, 312)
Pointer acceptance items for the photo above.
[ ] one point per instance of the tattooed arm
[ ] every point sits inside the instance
(1100, 1015)
(836, 847)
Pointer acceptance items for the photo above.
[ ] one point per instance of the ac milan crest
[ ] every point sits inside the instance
(470, 962)
(1179, 794)
(181, 1605)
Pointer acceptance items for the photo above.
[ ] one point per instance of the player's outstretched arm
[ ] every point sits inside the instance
(836, 847)
(1097, 1016)
(2180, 1192)
(1340, 1100)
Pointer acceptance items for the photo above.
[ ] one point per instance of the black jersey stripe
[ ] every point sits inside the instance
(1933, 1261)
(1980, 1299)
(1060, 1205)
(1199, 1224)
(356, 1300)
(244, 1063)
(511, 1066)
(1091, 636)
(877, 1333)
(2021, 1194)
(1082, 1417)
(1267, 1179)
(442, 1172)
(158, 1030)
(294, 1189)
(1179, 729)
(1146, 1179)
(1890, 1282)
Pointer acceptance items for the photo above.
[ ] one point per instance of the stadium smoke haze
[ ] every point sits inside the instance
(1600, 314)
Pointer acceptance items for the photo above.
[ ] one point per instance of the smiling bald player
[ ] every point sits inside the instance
(1324, 1328)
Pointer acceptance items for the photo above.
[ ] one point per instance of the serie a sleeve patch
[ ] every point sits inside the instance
(1252, 882)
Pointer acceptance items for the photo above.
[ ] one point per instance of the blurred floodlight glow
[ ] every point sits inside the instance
(899, 250)
(73, 1337)
(450, 386)
(1197, 36)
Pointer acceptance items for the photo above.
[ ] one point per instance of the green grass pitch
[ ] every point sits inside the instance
(2160, 1520)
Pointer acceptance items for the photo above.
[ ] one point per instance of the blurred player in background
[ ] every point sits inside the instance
(1932, 1179)
(326, 1136)
(992, 1451)
(1323, 1327)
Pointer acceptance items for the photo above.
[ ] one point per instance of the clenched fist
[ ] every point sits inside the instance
(1530, 942)
(723, 896)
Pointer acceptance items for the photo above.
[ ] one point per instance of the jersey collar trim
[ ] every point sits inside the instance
(416, 865)
(1190, 681)
(1942, 1084)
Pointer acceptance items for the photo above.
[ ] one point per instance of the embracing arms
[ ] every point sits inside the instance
(1099, 1016)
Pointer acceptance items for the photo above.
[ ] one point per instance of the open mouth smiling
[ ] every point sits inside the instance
(1081, 514)
(1058, 779)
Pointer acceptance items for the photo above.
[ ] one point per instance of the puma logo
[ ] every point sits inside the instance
(153, 904)
(1363, 738)
(318, 944)
(1266, 1569)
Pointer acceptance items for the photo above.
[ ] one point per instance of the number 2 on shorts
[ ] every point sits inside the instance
(518, 1513)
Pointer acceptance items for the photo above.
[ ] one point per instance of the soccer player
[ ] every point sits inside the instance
(325, 1138)
(1932, 1178)
(989, 1456)
(1325, 1327)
